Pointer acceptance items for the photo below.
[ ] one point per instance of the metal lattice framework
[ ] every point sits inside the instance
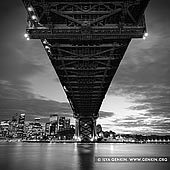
(85, 41)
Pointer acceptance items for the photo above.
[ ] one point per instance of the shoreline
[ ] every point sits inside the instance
(72, 141)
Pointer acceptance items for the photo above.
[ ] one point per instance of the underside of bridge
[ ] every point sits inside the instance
(85, 41)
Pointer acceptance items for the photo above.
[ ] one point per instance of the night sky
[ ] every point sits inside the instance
(138, 100)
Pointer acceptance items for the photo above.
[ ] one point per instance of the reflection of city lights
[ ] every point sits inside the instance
(75, 146)
(111, 147)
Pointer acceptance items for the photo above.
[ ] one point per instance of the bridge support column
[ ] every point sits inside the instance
(86, 129)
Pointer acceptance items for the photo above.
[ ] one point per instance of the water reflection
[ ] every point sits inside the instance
(85, 156)
(69, 156)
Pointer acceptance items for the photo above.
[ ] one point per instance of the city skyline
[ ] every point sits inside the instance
(138, 100)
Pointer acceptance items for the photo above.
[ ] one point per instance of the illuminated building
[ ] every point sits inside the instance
(53, 118)
(37, 120)
(21, 122)
(61, 124)
(53, 127)
(4, 126)
(67, 123)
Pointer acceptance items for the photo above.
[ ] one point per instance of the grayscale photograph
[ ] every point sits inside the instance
(85, 85)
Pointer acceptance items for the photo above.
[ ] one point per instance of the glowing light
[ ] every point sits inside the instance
(78, 138)
(92, 139)
(34, 17)
(26, 35)
(44, 42)
(146, 34)
(144, 38)
(28, 38)
(47, 47)
(75, 137)
(64, 87)
(30, 9)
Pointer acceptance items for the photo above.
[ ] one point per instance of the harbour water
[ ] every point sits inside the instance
(71, 156)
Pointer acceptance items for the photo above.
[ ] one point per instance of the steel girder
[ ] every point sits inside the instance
(85, 41)
(86, 129)
(91, 77)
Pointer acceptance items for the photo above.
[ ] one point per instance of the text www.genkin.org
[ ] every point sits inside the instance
(110, 159)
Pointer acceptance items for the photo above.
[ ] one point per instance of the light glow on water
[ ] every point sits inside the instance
(77, 156)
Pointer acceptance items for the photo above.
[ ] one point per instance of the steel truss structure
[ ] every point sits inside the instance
(85, 41)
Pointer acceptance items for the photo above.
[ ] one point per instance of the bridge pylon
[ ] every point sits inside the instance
(86, 129)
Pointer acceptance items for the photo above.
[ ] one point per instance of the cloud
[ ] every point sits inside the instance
(104, 114)
(139, 124)
(17, 99)
(34, 108)
(143, 76)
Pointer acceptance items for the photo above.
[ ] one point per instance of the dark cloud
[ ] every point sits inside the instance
(19, 100)
(140, 124)
(33, 108)
(148, 61)
(103, 114)
(15, 67)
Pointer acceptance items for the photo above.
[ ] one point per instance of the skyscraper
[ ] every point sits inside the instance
(21, 122)
(53, 127)
(61, 124)
(67, 123)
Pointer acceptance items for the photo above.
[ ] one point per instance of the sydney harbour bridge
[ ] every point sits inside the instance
(85, 41)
